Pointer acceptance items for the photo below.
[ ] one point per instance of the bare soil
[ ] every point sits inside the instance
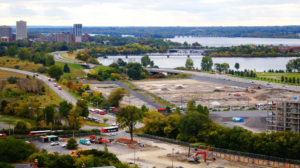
(209, 94)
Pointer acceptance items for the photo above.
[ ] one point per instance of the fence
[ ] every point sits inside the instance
(64, 136)
(225, 151)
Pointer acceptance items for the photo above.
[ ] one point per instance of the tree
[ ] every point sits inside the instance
(144, 108)
(66, 68)
(145, 61)
(49, 113)
(237, 66)
(116, 96)
(151, 64)
(11, 51)
(55, 71)
(49, 60)
(5, 165)
(134, 70)
(83, 104)
(14, 150)
(105, 120)
(64, 108)
(225, 67)
(189, 64)
(105, 105)
(121, 62)
(191, 105)
(22, 125)
(206, 63)
(25, 54)
(72, 143)
(129, 116)
(75, 120)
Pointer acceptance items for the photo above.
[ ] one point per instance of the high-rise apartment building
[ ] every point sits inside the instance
(283, 115)
(21, 29)
(77, 31)
(5, 31)
(65, 37)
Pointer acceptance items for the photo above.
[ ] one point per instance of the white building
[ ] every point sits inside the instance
(21, 30)
(78, 32)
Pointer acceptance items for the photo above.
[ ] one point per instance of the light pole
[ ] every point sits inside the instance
(134, 154)
(172, 156)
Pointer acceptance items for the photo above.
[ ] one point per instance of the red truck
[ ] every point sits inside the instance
(2, 135)
(98, 140)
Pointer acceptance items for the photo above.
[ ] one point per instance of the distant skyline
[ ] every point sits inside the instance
(151, 12)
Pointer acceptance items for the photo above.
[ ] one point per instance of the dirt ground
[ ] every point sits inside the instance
(132, 100)
(209, 94)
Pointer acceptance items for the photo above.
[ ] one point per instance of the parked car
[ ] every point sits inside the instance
(54, 143)
(85, 141)
(64, 145)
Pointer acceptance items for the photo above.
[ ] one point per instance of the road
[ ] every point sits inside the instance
(226, 80)
(254, 113)
(59, 58)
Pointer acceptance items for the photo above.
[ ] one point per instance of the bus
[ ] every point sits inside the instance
(109, 129)
(42, 132)
(2, 135)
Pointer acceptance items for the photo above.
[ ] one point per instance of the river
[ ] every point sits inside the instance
(225, 41)
(260, 64)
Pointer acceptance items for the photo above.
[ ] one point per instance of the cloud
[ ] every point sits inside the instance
(151, 12)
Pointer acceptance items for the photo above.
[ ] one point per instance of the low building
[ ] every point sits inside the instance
(86, 38)
(298, 34)
(288, 48)
(283, 115)
(5, 39)
(26, 165)
(49, 38)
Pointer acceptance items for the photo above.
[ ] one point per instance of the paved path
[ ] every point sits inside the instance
(59, 58)
(226, 80)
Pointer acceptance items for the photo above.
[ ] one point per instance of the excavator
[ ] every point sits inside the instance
(196, 157)
(77, 152)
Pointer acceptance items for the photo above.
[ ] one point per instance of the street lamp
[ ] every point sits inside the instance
(172, 156)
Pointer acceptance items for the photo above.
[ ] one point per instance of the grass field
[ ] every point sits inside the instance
(50, 95)
(10, 62)
(76, 70)
(277, 75)
(11, 119)
(95, 124)
(71, 56)
(97, 68)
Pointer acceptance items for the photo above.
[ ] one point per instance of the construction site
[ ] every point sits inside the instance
(210, 94)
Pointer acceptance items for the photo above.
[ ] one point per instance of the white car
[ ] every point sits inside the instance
(54, 143)
(112, 134)
(64, 145)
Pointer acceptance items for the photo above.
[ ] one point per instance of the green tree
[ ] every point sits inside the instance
(206, 63)
(144, 108)
(237, 66)
(105, 120)
(22, 125)
(177, 111)
(25, 54)
(14, 150)
(189, 64)
(282, 78)
(105, 105)
(64, 108)
(134, 70)
(66, 68)
(151, 64)
(168, 109)
(83, 104)
(129, 116)
(191, 105)
(145, 61)
(48, 112)
(49, 60)
(55, 71)
(72, 143)
(116, 96)
(11, 51)
(5, 165)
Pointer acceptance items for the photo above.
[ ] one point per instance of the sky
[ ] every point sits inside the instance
(151, 12)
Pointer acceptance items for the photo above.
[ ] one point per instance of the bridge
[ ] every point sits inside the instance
(193, 36)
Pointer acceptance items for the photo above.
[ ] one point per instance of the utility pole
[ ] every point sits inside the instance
(9, 129)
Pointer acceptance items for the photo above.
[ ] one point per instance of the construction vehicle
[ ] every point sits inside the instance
(278, 108)
(196, 157)
(77, 152)
(256, 87)
(98, 140)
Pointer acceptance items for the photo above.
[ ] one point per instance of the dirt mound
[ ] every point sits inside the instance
(180, 87)
(165, 89)
(218, 90)
(256, 122)
(262, 97)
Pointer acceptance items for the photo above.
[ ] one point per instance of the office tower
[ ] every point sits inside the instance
(21, 30)
(5, 31)
(77, 31)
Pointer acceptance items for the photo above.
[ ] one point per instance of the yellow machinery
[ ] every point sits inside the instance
(75, 153)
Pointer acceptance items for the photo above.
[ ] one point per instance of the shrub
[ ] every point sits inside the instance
(72, 144)
(42, 70)
(12, 80)
(17, 66)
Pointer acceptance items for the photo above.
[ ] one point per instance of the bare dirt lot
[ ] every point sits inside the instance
(209, 94)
